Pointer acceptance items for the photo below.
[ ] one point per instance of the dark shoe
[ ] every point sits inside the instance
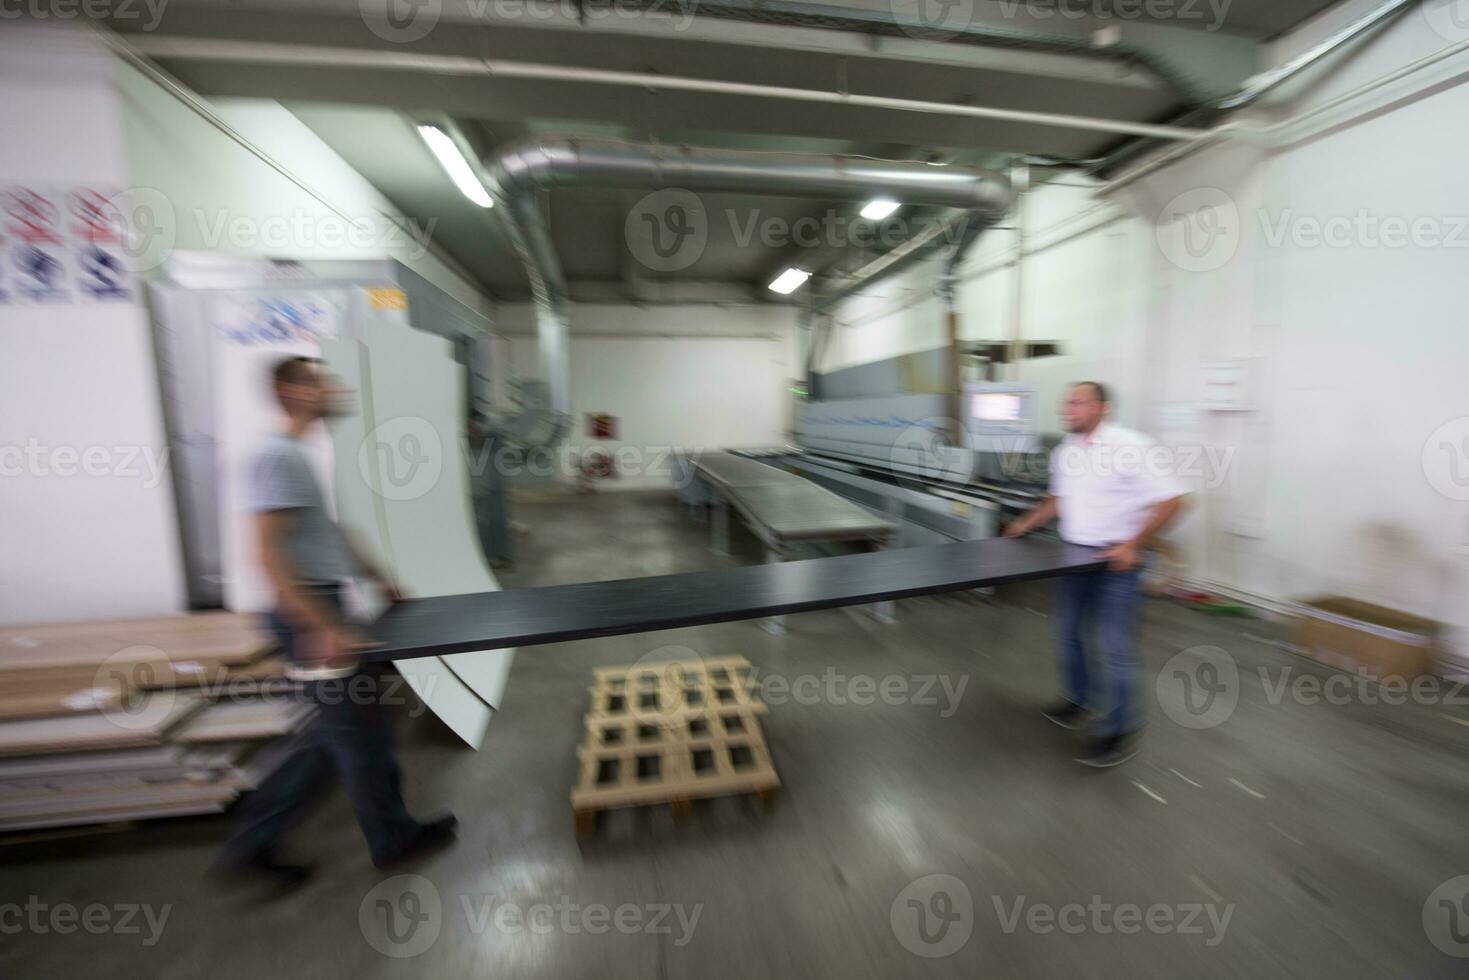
(431, 836)
(285, 876)
(1066, 714)
(1113, 750)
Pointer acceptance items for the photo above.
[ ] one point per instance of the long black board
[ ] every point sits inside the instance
(554, 614)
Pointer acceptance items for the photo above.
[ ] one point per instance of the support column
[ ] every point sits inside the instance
(774, 625)
(884, 612)
(719, 525)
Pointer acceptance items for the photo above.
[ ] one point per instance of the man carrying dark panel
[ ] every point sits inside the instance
(1112, 489)
(308, 560)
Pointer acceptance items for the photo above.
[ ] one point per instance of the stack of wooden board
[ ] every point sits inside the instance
(672, 732)
(127, 719)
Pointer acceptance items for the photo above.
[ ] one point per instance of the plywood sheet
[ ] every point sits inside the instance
(237, 720)
(142, 724)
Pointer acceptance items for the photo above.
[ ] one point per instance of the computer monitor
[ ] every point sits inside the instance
(998, 406)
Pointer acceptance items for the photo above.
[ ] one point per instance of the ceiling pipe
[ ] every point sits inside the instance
(965, 31)
(517, 173)
(1258, 86)
(1284, 127)
(312, 56)
(1264, 82)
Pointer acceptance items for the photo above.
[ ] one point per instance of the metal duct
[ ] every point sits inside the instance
(520, 170)
(1257, 87)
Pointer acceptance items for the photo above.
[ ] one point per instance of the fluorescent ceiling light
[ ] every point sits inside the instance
(455, 165)
(789, 281)
(879, 208)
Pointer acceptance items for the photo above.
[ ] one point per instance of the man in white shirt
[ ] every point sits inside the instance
(1113, 489)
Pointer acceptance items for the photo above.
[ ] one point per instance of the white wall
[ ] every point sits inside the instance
(675, 377)
(1357, 351)
(79, 378)
(215, 195)
(1081, 288)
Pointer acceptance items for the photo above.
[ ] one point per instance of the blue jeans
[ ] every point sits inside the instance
(349, 737)
(1111, 687)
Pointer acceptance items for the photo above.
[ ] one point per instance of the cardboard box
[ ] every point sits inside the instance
(1360, 637)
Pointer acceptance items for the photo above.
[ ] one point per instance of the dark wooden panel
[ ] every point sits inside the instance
(526, 617)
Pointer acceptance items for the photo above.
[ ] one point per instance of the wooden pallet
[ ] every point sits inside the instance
(671, 733)
(667, 692)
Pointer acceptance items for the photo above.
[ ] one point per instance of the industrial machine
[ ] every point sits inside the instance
(883, 435)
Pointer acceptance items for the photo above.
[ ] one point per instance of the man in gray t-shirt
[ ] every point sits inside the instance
(308, 560)
(282, 479)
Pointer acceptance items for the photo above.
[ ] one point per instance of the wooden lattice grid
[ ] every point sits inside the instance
(698, 736)
(670, 691)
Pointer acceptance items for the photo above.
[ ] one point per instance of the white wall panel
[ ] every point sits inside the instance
(363, 510)
(79, 377)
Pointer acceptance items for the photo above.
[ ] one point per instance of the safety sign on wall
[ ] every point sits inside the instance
(277, 319)
(62, 245)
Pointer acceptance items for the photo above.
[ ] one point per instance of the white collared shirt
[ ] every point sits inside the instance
(1107, 484)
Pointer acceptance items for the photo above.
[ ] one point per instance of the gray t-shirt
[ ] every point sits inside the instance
(281, 478)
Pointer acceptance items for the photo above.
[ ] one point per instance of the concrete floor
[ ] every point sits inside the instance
(1325, 828)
